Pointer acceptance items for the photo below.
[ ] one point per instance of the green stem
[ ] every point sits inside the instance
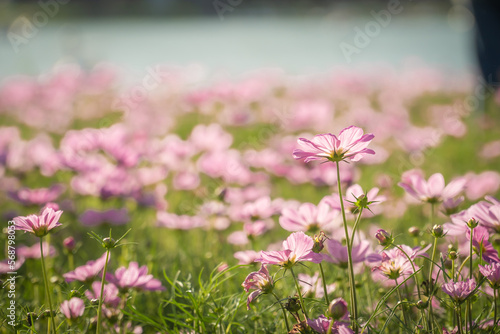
(462, 265)
(99, 310)
(358, 218)
(352, 287)
(402, 306)
(300, 294)
(431, 285)
(47, 291)
(459, 319)
(327, 300)
(469, 308)
(284, 312)
(494, 311)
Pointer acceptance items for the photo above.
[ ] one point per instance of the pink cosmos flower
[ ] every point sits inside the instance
(308, 217)
(33, 252)
(5, 265)
(260, 281)
(351, 144)
(322, 325)
(432, 190)
(488, 214)
(88, 272)
(246, 257)
(459, 291)
(492, 273)
(297, 247)
(337, 253)
(112, 217)
(73, 308)
(110, 293)
(482, 246)
(39, 225)
(134, 277)
(38, 196)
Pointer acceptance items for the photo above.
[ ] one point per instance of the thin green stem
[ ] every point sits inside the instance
(462, 265)
(458, 309)
(327, 300)
(284, 312)
(99, 310)
(405, 318)
(47, 291)
(494, 311)
(352, 287)
(469, 308)
(358, 218)
(431, 285)
(300, 294)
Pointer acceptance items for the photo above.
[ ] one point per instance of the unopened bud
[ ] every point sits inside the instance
(472, 223)
(337, 309)
(74, 293)
(414, 231)
(69, 243)
(452, 255)
(293, 304)
(108, 243)
(421, 305)
(437, 231)
(384, 238)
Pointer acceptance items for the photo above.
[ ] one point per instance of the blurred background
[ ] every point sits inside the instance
(237, 36)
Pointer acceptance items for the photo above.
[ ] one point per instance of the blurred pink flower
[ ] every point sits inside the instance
(432, 190)
(134, 277)
(337, 253)
(308, 217)
(73, 308)
(479, 185)
(297, 247)
(351, 144)
(39, 225)
(313, 285)
(38, 196)
(492, 274)
(322, 325)
(490, 150)
(110, 293)
(88, 272)
(179, 222)
(112, 217)
(246, 257)
(33, 252)
(210, 137)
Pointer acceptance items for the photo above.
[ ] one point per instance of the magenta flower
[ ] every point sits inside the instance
(260, 281)
(38, 196)
(39, 225)
(33, 252)
(492, 273)
(134, 277)
(351, 144)
(73, 308)
(459, 291)
(88, 272)
(322, 324)
(432, 190)
(112, 217)
(297, 247)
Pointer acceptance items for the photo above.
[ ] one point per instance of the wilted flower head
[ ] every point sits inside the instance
(134, 277)
(459, 291)
(39, 225)
(73, 308)
(297, 247)
(492, 274)
(351, 144)
(260, 281)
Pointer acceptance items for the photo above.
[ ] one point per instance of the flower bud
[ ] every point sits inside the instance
(69, 243)
(437, 231)
(414, 231)
(94, 301)
(452, 255)
(421, 305)
(472, 223)
(319, 240)
(74, 293)
(384, 238)
(108, 243)
(337, 309)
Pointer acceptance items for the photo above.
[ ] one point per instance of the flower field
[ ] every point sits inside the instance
(346, 202)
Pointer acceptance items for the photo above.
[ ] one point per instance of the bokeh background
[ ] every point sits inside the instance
(235, 36)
